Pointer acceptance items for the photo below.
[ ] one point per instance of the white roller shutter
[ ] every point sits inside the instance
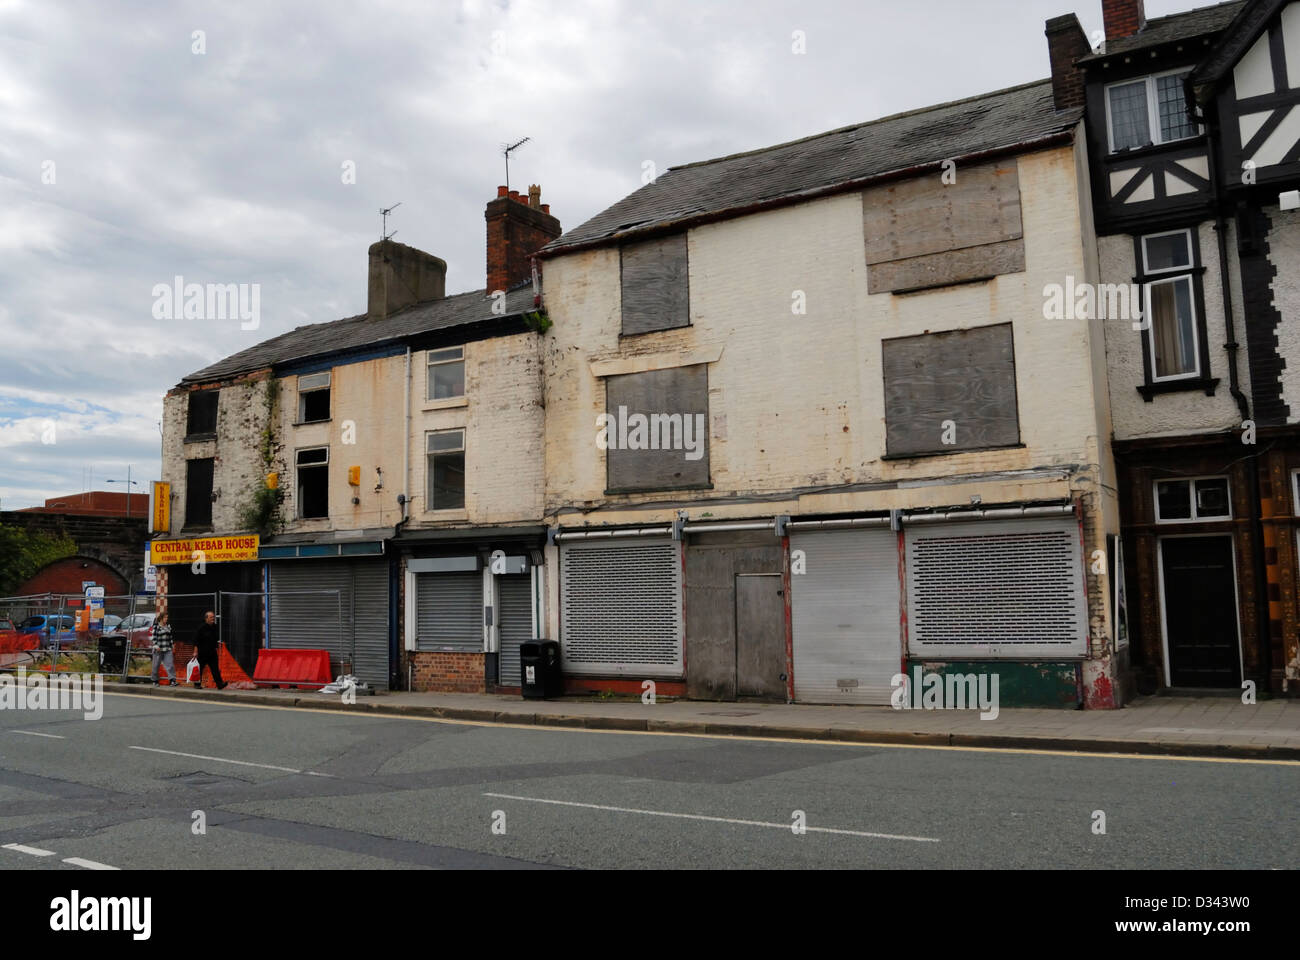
(845, 616)
(621, 608)
(515, 598)
(996, 589)
(449, 611)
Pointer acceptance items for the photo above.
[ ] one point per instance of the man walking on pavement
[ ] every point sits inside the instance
(205, 639)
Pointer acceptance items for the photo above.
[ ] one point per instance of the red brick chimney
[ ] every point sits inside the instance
(517, 227)
(1123, 18)
(1066, 43)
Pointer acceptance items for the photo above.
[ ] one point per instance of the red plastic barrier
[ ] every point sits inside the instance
(305, 669)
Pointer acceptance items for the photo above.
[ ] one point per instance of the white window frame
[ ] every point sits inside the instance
(1184, 268)
(1191, 481)
(429, 507)
(297, 480)
(305, 386)
(430, 362)
(1153, 109)
(1195, 372)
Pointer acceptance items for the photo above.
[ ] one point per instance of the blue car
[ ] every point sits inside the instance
(56, 627)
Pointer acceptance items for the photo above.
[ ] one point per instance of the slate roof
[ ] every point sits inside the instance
(821, 163)
(1176, 26)
(350, 333)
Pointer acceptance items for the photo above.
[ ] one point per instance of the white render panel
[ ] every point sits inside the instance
(1282, 139)
(1253, 74)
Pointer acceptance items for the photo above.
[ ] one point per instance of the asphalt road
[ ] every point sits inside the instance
(286, 788)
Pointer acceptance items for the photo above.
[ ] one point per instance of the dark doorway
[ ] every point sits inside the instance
(760, 636)
(1200, 612)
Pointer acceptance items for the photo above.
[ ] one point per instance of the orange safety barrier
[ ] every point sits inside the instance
(231, 671)
(305, 669)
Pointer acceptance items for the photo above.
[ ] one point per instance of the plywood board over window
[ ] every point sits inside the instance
(655, 285)
(938, 230)
(952, 391)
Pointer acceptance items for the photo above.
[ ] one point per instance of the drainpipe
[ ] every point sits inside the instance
(406, 444)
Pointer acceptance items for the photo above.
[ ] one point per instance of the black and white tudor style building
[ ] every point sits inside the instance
(1193, 125)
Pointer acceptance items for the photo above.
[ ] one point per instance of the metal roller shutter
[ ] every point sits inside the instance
(845, 616)
(996, 589)
(621, 608)
(449, 611)
(303, 612)
(515, 596)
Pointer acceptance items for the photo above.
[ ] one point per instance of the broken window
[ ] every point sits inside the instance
(201, 416)
(314, 398)
(198, 493)
(313, 482)
(446, 374)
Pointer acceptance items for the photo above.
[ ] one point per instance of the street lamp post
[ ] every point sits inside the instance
(129, 484)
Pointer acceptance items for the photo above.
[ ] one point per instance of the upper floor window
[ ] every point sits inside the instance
(445, 450)
(201, 417)
(655, 285)
(1173, 334)
(1148, 111)
(198, 493)
(1204, 498)
(313, 482)
(314, 397)
(446, 374)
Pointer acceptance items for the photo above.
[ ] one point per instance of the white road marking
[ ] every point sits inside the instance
(33, 733)
(88, 864)
(199, 756)
(696, 816)
(34, 851)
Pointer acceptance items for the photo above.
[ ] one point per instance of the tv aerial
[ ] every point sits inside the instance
(506, 150)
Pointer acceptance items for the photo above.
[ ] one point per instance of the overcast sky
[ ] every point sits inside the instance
(127, 158)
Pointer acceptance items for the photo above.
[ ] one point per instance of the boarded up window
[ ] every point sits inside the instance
(655, 430)
(927, 233)
(655, 289)
(946, 392)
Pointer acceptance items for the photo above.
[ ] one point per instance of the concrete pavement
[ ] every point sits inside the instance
(1184, 726)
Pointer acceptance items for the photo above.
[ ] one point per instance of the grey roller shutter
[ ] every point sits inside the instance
(621, 608)
(304, 613)
(515, 596)
(449, 611)
(845, 616)
(996, 589)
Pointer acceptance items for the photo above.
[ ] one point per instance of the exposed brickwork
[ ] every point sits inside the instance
(1123, 18)
(1066, 43)
(515, 231)
(440, 672)
(116, 542)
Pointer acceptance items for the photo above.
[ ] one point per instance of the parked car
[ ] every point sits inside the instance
(138, 626)
(109, 623)
(50, 628)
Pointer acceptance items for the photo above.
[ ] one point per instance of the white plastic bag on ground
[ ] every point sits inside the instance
(340, 684)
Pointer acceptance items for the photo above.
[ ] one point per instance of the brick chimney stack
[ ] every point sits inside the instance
(400, 276)
(517, 227)
(1123, 18)
(1066, 43)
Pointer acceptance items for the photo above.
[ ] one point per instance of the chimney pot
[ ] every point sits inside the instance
(546, 208)
(502, 190)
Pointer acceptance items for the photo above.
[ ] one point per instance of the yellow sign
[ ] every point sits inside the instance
(208, 549)
(162, 507)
